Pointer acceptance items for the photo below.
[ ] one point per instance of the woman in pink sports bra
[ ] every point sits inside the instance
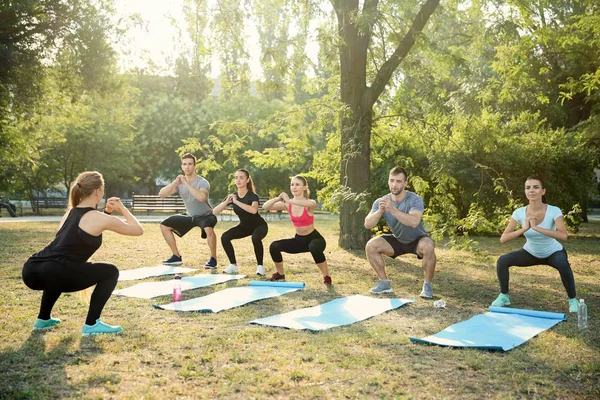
(307, 239)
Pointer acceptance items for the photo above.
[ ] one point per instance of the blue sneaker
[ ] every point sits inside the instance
(573, 305)
(211, 264)
(99, 328)
(174, 260)
(43, 324)
(501, 301)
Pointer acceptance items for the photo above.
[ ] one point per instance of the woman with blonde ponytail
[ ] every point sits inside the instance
(307, 239)
(62, 266)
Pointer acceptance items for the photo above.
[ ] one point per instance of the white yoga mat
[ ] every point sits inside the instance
(234, 297)
(147, 272)
(338, 312)
(148, 290)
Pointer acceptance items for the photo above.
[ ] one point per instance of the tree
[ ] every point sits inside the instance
(355, 27)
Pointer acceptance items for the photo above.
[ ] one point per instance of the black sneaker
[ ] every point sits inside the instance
(211, 264)
(174, 260)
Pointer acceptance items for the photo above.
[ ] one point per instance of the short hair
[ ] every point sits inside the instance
(189, 155)
(399, 170)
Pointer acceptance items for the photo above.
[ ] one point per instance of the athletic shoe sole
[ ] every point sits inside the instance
(382, 291)
(101, 333)
(173, 263)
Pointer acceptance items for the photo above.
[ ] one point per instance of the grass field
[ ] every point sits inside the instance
(164, 355)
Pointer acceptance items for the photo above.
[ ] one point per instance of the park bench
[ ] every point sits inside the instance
(40, 203)
(150, 202)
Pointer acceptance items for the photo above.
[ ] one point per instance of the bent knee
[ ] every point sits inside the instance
(427, 246)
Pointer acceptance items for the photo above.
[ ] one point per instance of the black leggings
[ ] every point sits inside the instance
(240, 231)
(522, 258)
(313, 242)
(55, 277)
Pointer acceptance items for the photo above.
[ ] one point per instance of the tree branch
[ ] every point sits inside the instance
(385, 73)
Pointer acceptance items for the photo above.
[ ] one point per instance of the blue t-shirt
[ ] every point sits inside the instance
(538, 244)
(404, 234)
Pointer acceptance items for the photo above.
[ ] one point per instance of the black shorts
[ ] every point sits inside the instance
(181, 224)
(403, 248)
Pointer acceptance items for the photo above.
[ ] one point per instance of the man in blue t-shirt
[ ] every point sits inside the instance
(402, 211)
(193, 189)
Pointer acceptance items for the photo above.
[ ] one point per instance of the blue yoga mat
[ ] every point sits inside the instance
(148, 290)
(234, 297)
(338, 312)
(147, 272)
(499, 329)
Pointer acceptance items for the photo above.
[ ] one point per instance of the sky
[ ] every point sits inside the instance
(156, 38)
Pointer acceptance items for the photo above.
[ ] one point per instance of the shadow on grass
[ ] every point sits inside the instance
(25, 370)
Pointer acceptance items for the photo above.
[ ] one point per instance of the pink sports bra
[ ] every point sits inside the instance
(303, 220)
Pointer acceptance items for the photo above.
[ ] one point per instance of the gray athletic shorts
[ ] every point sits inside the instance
(182, 224)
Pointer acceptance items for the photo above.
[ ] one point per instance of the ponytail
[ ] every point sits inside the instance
(84, 186)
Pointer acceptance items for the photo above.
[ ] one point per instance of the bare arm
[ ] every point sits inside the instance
(250, 208)
(510, 233)
(95, 222)
(223, 205)
(560, 233)
(308, 203)
(274, 204)
(170, 189)
(373, 218)
(412, 219)
(130, 227)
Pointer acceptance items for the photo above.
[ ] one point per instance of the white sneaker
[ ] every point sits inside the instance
(260, 270)
(232, 269)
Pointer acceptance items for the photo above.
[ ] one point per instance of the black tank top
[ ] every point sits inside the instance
(71, 242)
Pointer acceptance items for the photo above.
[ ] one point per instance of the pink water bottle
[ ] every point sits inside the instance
(176, 289)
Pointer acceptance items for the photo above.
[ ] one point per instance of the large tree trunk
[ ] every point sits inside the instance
(357, 118)
(356, 127)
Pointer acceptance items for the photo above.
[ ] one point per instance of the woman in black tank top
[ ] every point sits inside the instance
(62, 266)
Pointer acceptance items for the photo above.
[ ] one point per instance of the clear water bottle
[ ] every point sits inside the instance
(176, 289)
(582, 322)
(439, 303)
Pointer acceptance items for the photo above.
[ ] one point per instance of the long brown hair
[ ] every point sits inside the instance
(250, 184)
(84, 186)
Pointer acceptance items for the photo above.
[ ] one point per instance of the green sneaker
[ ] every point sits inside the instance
(99, 328)
(501, 301)
(573, 305)
(43, 324)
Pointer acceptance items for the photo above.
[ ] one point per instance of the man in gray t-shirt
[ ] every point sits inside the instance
(403, 211)
(194, 190)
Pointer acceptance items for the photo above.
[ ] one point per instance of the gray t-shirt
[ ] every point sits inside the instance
(404, 234)
(193, 205)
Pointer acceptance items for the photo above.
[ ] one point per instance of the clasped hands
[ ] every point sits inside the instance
(114, 203)
(530, 222)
